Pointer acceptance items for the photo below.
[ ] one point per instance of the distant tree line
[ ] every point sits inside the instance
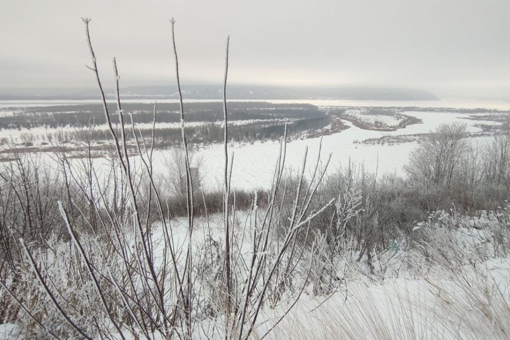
(266, 122)
(91, 114)
(201, 134)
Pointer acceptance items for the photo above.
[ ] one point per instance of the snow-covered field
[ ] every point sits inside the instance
(396, 305)
(254, 164)
(383, 121)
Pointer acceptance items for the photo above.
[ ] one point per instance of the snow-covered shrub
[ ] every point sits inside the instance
(436, 161)
(459, 239)
(59, 273)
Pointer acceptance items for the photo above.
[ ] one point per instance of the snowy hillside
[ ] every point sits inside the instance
(112, 244)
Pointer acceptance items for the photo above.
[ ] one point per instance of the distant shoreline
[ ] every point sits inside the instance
(444, 103)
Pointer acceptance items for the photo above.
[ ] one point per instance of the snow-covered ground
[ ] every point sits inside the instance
(386, 120)
(467, 299)
(254, 164)
(395, 307)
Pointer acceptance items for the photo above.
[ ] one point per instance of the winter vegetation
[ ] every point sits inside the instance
(43, 127)
(123, 247)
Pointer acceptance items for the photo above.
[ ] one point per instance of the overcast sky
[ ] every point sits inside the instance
(452, 48)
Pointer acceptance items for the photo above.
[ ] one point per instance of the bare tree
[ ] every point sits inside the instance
(496, 160)
(436, 160)
(175, 171)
